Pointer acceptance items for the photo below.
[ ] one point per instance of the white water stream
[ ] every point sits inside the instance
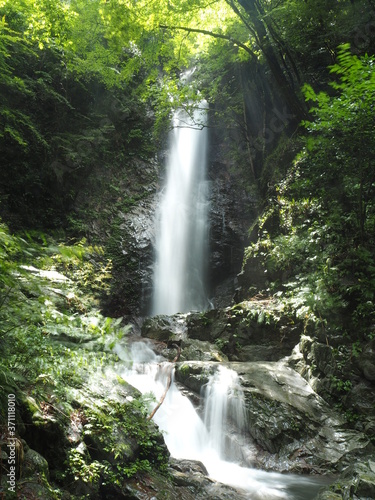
(188, 436)
(181, 225)
(215, 438)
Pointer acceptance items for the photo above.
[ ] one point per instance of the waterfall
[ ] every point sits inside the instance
(224, 407)
(182, 227)
(207, 439)
(215, 436)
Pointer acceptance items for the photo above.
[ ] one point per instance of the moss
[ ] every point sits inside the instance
(204, 320)
(184, 369)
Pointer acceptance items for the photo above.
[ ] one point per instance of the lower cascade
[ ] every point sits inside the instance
(214, 437)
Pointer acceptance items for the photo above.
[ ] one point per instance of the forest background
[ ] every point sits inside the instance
(87, 90)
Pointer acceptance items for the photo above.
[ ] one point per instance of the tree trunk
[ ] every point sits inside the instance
(255, 10)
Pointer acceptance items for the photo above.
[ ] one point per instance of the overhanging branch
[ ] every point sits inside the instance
(212, 34)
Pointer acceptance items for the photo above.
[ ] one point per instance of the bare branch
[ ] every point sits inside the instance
(169, 382)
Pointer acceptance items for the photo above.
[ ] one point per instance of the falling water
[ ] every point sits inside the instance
(181, 235)
(216, 437)
(209, 439)
(224, 408)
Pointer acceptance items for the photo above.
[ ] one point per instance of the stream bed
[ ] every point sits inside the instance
(214, 434)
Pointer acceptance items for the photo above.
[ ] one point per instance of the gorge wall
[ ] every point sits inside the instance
(125, 206)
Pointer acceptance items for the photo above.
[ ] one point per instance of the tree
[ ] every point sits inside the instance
(342, 141)
(58, 68)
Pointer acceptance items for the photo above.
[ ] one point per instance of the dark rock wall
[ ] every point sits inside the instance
(233, 208)
(131, 238)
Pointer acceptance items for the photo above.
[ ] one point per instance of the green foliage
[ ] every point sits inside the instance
(313, 30)
(55, 342)
(221, 343)
(39, 305)
(117, 429)
(88, 86)
(340, 385)
(343, 137)
(63, 109)
(204, 320)
(320, 255)
(268, 313)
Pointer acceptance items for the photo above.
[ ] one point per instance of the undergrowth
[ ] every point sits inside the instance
(56, 352)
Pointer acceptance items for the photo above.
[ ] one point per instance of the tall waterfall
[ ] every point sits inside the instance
(182, 227)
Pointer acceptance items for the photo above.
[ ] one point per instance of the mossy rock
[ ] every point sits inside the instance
(33, 464)
(358, 481)
(194, 374)
(198, 350)
(45, 432)
(164, 328)
(33, 489)
(329, 495)
(29, 406)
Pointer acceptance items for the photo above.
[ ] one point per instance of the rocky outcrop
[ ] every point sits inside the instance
(338, 377)
(357, 482)
(250, 331)
(231, 212)
(293, 426)
(193, 476)
(136, 233)
(165, 328)
(187, 480)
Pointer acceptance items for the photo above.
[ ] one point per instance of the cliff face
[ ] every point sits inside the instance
(125, 204)
(232, 210)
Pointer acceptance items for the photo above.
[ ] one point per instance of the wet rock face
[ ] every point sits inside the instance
(342, 379)
(367, 361)
(165, 328)
(133, 250)
(231, 213)
(295, 428)
(246, 332)
(194, 374)
(187, 480)
(103, 430)
(358, 481)
(168, 332)
(134, 244)
(192, 475)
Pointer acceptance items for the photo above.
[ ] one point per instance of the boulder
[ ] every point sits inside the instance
(193, 476)
(249, 331)
(165, 328)
(34, 464)
(194, 374)
(132, 247)
(357, 482)
(294, 426)
(187, 480)
(229, 218)
(367, 361)
(199, 350)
